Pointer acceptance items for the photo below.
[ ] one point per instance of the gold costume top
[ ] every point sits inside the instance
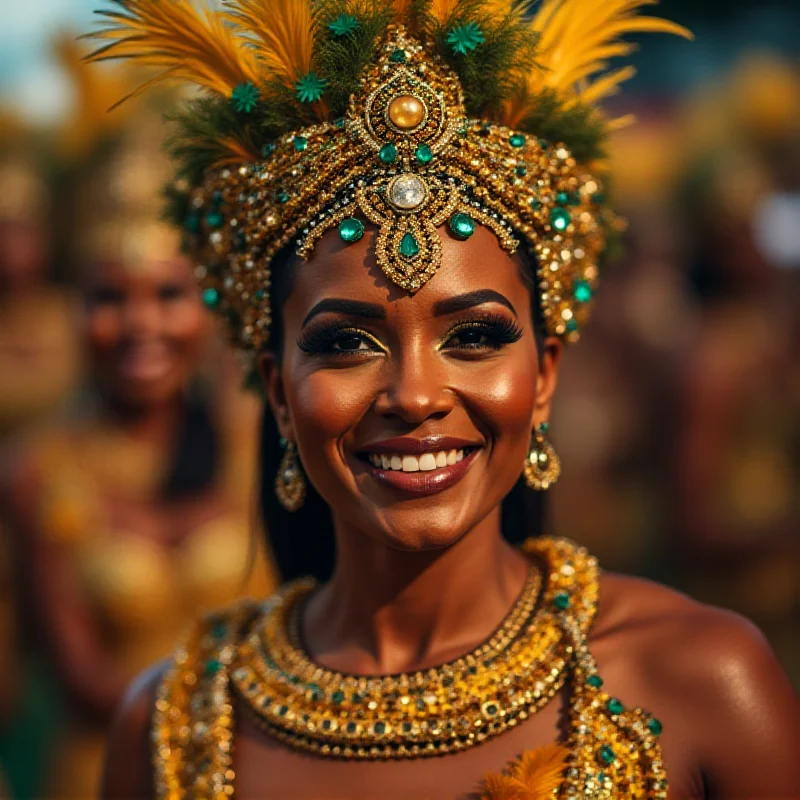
(248, 657)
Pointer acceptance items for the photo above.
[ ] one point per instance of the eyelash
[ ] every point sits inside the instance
(497, 328)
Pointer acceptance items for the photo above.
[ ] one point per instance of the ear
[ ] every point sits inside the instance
(547, 379)
(272, 381)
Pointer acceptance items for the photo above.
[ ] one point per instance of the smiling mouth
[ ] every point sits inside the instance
(422, 474)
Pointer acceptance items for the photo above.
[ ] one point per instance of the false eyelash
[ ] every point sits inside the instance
(320, 340)
(497, 327)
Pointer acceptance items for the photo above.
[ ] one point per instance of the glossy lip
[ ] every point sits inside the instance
(424, 483)
(408, 445)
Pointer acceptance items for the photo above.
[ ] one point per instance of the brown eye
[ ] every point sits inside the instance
(350, 343)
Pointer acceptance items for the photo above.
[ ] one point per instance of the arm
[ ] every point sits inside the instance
(128, 771)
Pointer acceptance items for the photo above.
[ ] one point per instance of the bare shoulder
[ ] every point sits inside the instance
(128, 772)
(717, 674)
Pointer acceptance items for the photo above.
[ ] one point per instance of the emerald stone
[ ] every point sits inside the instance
(521, 171)
(283, 711)
(351, 229)
(327, 724)
(536, 203)
(595, 680)
(398, 56)
(266, 702)
(388, 153)
(219, 629)
(408, 246)
(560, 218)
(561, 601)
(492, 709)
(544, 427)
(356, 698)
(572, 326)
(337, 697)
(424, 154)
(517, 140)
(214, 219)
(339, 123)
(598, 199)
(300, 143)
(407, 727)
(606, 755)
(583, 292)
(260, 294)
(654, 726)
(574, 198)
(268, 149)
(282, 196)
(213, 665)
(615, 706)
(352, 727)
(544, 144)
(462, 226)
(380, 728)
(210, 297)
(562, 198)
(192, 223)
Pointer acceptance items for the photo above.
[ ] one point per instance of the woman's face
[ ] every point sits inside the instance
(412, 413)
(145, 326)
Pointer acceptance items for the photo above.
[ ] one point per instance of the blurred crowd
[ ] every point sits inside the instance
(127, 446)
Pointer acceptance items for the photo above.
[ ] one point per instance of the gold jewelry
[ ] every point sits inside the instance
(290, 485)
(248, 649)
(542, 466)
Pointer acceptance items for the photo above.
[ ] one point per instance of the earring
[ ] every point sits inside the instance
(290, 485)
(542, 466)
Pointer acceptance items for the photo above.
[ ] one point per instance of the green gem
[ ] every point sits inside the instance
(210, 297)
(282, 196)
(340, 123)
(260, 294)
(192, 223)
(521, 170)
(598, 199)
(559, 219)
(572, 326)
(562, 198)
(356, 698)
(408, 246)
(536, 204)
(583, 292)
(600, 777)
(266, 702)
(219, 629)
(283, 711)
(615, 706)
(561, 601)
(544, 144)
(595, 680)
(300, 143)
(574, 198)
(337, 697)
(407, 727)
(327, 724)
(268, 149)
(344, 24)
(464, 38)
(310, 88)
(351, 229)
(517, 140)
(380, 727)
(491, 709)
(654, 726)
(388, 153)
(213, 665)
(606, 755)
(398, 57)
(462, 226)
(245, 98)
(352, 727)
(424, 154)
(544, 427)
(214, 219)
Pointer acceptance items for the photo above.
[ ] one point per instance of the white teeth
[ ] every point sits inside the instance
(410, 464)
(425, 463)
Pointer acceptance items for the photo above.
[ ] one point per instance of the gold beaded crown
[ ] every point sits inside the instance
(406, 114)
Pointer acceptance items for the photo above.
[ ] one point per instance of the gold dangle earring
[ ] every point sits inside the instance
(542, 466)
(290, 485)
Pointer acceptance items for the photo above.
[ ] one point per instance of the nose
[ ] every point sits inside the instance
(141, 317)
(416, 389)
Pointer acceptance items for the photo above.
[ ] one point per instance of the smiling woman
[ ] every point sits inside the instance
(394, 210)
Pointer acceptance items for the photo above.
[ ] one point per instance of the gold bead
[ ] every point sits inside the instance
(406, 112)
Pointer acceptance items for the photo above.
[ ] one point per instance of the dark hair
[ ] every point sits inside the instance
(303, 542)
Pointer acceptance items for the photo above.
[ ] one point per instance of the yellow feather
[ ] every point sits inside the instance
(576, 38)
(185, 44)
(540, 771)
(402, 9)
(496, 786)
(281, 32)
(442, 10)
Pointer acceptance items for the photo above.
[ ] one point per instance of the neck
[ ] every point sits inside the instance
(153, 424)
(387, 611)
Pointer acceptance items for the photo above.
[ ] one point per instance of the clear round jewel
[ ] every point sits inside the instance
(407, 192)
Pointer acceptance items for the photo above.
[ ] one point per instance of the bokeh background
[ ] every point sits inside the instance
(677, 421)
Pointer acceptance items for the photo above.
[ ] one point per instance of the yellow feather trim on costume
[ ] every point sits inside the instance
(576, 39)
(535, 775)
(185, 44)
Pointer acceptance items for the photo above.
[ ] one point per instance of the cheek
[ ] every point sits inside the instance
(186, 324)
(103, 329)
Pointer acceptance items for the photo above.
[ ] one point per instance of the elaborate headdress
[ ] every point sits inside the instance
(409, 114)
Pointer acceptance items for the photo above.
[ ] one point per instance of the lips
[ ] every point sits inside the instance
(420, 466)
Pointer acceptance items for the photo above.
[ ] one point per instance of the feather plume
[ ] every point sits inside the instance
(496, 786)
(281, 32)
(540, 771)
(185, 44)
(576, 39)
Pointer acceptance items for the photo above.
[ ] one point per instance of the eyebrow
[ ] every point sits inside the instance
(356, 308)
(462, 302)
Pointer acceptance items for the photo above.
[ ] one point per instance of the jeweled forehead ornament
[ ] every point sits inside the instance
(410, 151)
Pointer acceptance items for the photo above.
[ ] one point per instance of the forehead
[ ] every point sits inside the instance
(350, 271)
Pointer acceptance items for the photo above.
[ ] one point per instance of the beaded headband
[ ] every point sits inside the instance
(419, 114)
